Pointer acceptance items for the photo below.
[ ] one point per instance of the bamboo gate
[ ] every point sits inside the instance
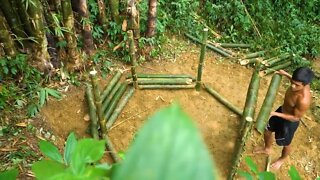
(106, 105)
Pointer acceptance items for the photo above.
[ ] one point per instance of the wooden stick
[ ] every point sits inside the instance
(110, 85)
(133, 58)
(155, 86)
(92, 113)
(268, 163)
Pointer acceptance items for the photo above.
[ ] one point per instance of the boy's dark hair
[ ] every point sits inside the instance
(303, 74)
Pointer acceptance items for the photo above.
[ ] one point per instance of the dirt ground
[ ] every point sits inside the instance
(217, 124)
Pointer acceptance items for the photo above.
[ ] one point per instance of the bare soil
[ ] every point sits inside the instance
(218, 125)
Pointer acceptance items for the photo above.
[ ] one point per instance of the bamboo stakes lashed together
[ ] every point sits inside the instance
(111, 149)
(223, 100)
(202, 56)
(107, 100)
(122, 103)
(272, 61)
(92, 113)
(115, 101)
(111, 85)
(162, 81)
(132, 58)
(234, 45)
(97, 99)
(268, 102)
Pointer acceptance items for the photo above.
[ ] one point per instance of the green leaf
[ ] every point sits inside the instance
(246, 175)
(33, 109)
(47, 169)
(51, 151)
(266, 176)
(70, 146)
(86, 151)
(168, 147)
(42, 96)
(252, 165)
(293, 173)
(54, 93)
(9, 174)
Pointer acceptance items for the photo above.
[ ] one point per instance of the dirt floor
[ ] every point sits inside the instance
(217, 124)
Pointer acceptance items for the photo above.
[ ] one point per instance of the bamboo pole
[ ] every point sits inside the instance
(249, 61)
(97, 98)
(232, 45)
(110, 85)
(268, 163)
(268, 102)
(133, 59)
(115, 101)
(274, 69)
(220, 51)
(111, 149)
(163, 81)
(221, 48)
(202, 56)
(139, 75)
(108, 99)
(167, 86)
(254, 55)
(92, 113)
(239, 148)
(272, 62)
(121, 105)
(251, 99)
(223, 100)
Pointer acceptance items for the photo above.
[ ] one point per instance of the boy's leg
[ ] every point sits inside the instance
(285, 153)
(267, 144)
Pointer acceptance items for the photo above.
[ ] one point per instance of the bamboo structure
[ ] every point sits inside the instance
(133, 59)
(231, 45)
(221, 48)
(108, 99)
(220, 51)
(251, 99)
(223, 100)
(268, 163)
(162, 81)
(97, 99)
(111, 149)
(268, 102)
(92, 113)
(201, 60)
(167, 86)
(110, 85)
(139, 75)
(121, 105)
(115, 101)
(275, 68)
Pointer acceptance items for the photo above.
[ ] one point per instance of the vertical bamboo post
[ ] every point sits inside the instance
(202, 54)
(97, 100)
(92, 112)
(133, 59)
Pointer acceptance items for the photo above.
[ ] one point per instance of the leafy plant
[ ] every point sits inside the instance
(9, 174)
(264, 175)
(80, 160)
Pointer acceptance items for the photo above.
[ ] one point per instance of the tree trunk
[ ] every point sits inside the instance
(24, 16)
(102, 15)
(36, 18)
(114, 6)
(68, 22)
(134, 21)
(5, 37)
(152, 18)
(12, 18)
(86, 27)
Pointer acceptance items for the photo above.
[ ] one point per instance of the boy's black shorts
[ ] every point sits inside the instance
(284, 129)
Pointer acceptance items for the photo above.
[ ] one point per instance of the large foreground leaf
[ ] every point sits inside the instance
(9, 174)
(167, 147)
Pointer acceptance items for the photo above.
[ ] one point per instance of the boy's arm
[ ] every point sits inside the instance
(284, 73)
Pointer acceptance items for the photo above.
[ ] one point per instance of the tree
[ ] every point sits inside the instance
(152, 18)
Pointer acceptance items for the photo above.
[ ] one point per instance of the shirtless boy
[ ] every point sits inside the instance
(285, 120)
